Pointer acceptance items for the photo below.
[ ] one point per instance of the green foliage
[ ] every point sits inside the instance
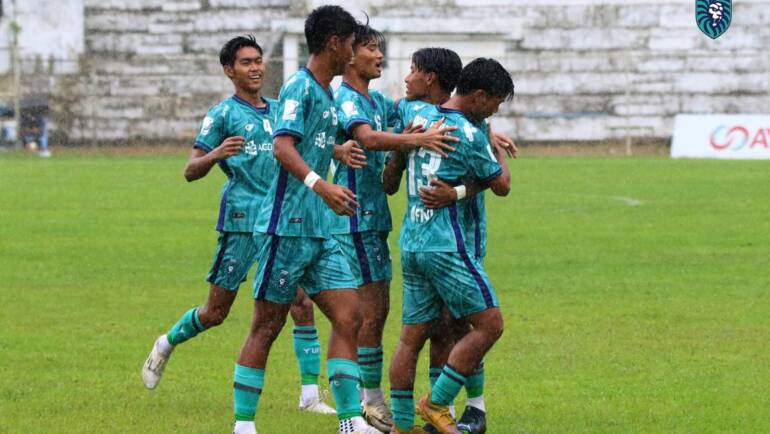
(635, 294)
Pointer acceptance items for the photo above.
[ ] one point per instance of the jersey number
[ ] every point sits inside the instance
(427, 170)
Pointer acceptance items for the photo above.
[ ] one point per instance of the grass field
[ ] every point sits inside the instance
(635, 292)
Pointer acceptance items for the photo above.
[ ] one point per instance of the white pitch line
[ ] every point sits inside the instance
(630, 201)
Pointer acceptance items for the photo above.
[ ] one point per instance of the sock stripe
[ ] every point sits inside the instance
(454, 377)
(305, 331)
(246, 388)
(306, 339)
(196, 322)
(370, 362)
(401, 394)
(341, 376)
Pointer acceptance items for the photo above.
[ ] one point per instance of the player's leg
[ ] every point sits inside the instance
(421, 309)
(330, 283)
(234, 256)
(249, 375)
(307, 349)
(280, 268)
(467, 292)
(369, 258)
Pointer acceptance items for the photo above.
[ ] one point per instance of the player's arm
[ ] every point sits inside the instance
(441, 195)
(501, 184)
(391, 174)
(435, 139)
(341, 200)
(200, 162)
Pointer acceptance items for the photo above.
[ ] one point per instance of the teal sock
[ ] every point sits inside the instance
(344, 379)
(308, 352)
(475, 383)
(370, 362)
(402, 406)
(433, 374)
(447, 386)
(247, 388)
(186, 328)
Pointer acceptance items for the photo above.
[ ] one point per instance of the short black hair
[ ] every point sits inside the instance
(443, 62)
(230, 49)
(325, 22)
(488, 75)
(365, 33)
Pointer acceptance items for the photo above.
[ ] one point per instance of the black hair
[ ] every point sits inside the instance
(230, 49)
(325, 22)
(365, 33)
(443, 62)
(487, 75)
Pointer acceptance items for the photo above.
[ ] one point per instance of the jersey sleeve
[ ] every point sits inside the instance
(293, 106)
(472, 157)
(212, 131)
(481, 160)
(351, 112)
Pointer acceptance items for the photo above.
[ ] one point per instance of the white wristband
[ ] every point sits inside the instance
(461, 191)
(311, 179)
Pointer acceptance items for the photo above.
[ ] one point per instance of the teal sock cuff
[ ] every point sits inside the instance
(402, 407)
(433, 373)
(249, 376)
(187, 327)
(474, 385)
(343, 380)
(370, 363)
(447, 386)
(247, 388)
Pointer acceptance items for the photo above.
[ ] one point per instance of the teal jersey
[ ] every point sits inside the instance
(250, 171)
(306, 112)
(410, 111)
(445, 229)
(474, 213)
(376, 110)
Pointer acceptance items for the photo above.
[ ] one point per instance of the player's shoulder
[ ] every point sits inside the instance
(270, 101)
(297, 82)
(220, 110)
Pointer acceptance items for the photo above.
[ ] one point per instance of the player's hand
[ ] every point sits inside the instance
(229, 147)
(341, 200)
(438, 195)
(351, 154)
(505, 143)
(437, 138)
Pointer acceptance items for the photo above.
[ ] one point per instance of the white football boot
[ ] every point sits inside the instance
(156, 363)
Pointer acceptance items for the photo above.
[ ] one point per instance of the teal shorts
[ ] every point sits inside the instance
(235, 254)
(315, 264)
(432, 279)
(368, 255)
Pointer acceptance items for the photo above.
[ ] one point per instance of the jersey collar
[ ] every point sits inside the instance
(260, 110)
(327, 91)
(448, 110)
(368, 97)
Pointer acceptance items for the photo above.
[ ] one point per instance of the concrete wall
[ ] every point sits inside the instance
(583, 70)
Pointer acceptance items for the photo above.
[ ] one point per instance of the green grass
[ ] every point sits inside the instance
(621, 316)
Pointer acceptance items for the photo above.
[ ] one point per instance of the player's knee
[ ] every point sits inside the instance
(350, 322)
(213, 316)
(268, 329)
(494, 325)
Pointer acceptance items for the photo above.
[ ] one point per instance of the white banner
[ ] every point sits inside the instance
(721, 136)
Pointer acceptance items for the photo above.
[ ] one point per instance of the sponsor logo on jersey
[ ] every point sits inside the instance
(290, 110)
(206, 125)
(349, 108)
(249, 127)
